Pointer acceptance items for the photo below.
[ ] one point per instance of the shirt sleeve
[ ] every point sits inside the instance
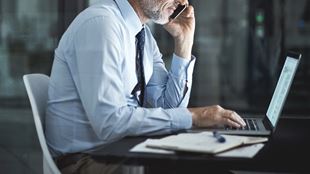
(99, 82)
(170, 89)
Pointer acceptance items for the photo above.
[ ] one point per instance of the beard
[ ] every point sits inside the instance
(152, 10)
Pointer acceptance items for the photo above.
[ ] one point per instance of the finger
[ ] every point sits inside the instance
(189, 11)
(238, 118)
(230, 122)
(183, 2)
(233, 116)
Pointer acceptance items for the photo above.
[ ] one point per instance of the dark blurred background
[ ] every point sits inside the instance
(239, 44)
(240, 47)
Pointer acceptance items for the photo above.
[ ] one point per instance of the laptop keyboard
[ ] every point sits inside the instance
(251, 124)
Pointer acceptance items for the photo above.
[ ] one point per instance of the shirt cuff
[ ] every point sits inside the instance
(181, 118)
(183, 68)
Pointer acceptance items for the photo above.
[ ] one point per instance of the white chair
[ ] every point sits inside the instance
(37, 87)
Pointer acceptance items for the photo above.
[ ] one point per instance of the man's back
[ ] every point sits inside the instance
(66, 123)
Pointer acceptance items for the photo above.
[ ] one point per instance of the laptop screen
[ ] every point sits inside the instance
(282, 88)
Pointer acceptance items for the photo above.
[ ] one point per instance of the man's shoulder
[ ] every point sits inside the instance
(100, 16)
(108, 11)
(97, 14)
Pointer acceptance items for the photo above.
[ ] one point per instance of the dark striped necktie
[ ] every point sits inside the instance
(138, 90)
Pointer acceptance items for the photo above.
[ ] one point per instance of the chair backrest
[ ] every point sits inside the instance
(37, 88)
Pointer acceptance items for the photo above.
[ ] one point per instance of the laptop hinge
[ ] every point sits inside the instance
(268, 124)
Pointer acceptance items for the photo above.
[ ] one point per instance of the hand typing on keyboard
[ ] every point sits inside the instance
(251, 124)
(215, 115)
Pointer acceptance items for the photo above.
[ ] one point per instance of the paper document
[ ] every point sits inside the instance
(142, 148)
(240, 152)
(203, 142)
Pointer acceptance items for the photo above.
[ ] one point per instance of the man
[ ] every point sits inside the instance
(109, 81)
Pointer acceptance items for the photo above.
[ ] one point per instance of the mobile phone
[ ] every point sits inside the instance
(178, 11)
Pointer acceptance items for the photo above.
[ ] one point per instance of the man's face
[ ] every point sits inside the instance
(158, 10)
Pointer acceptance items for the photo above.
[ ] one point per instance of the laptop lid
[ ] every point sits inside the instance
(282, 88)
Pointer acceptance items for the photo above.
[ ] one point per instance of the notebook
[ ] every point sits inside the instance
(265, 125)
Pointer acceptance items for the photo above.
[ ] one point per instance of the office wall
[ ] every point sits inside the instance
(28, 35)
(239, 47)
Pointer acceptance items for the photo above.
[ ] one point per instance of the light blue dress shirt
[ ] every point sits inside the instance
(89, 97)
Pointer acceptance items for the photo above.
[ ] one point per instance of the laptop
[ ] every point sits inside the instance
(264, 126)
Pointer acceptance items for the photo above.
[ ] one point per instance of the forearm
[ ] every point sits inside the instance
(117, 122)
(174, 94)
(171, 89)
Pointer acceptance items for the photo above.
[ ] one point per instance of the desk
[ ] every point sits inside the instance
(287, 151)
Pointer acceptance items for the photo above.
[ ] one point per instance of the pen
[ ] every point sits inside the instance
(219, 137)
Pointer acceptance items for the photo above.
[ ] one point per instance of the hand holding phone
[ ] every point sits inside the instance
(178, 11)
(182, 29)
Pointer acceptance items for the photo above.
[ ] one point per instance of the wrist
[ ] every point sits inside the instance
(183, 48)
(194, 117)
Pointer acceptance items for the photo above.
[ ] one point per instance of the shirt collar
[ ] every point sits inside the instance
(130, 16)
